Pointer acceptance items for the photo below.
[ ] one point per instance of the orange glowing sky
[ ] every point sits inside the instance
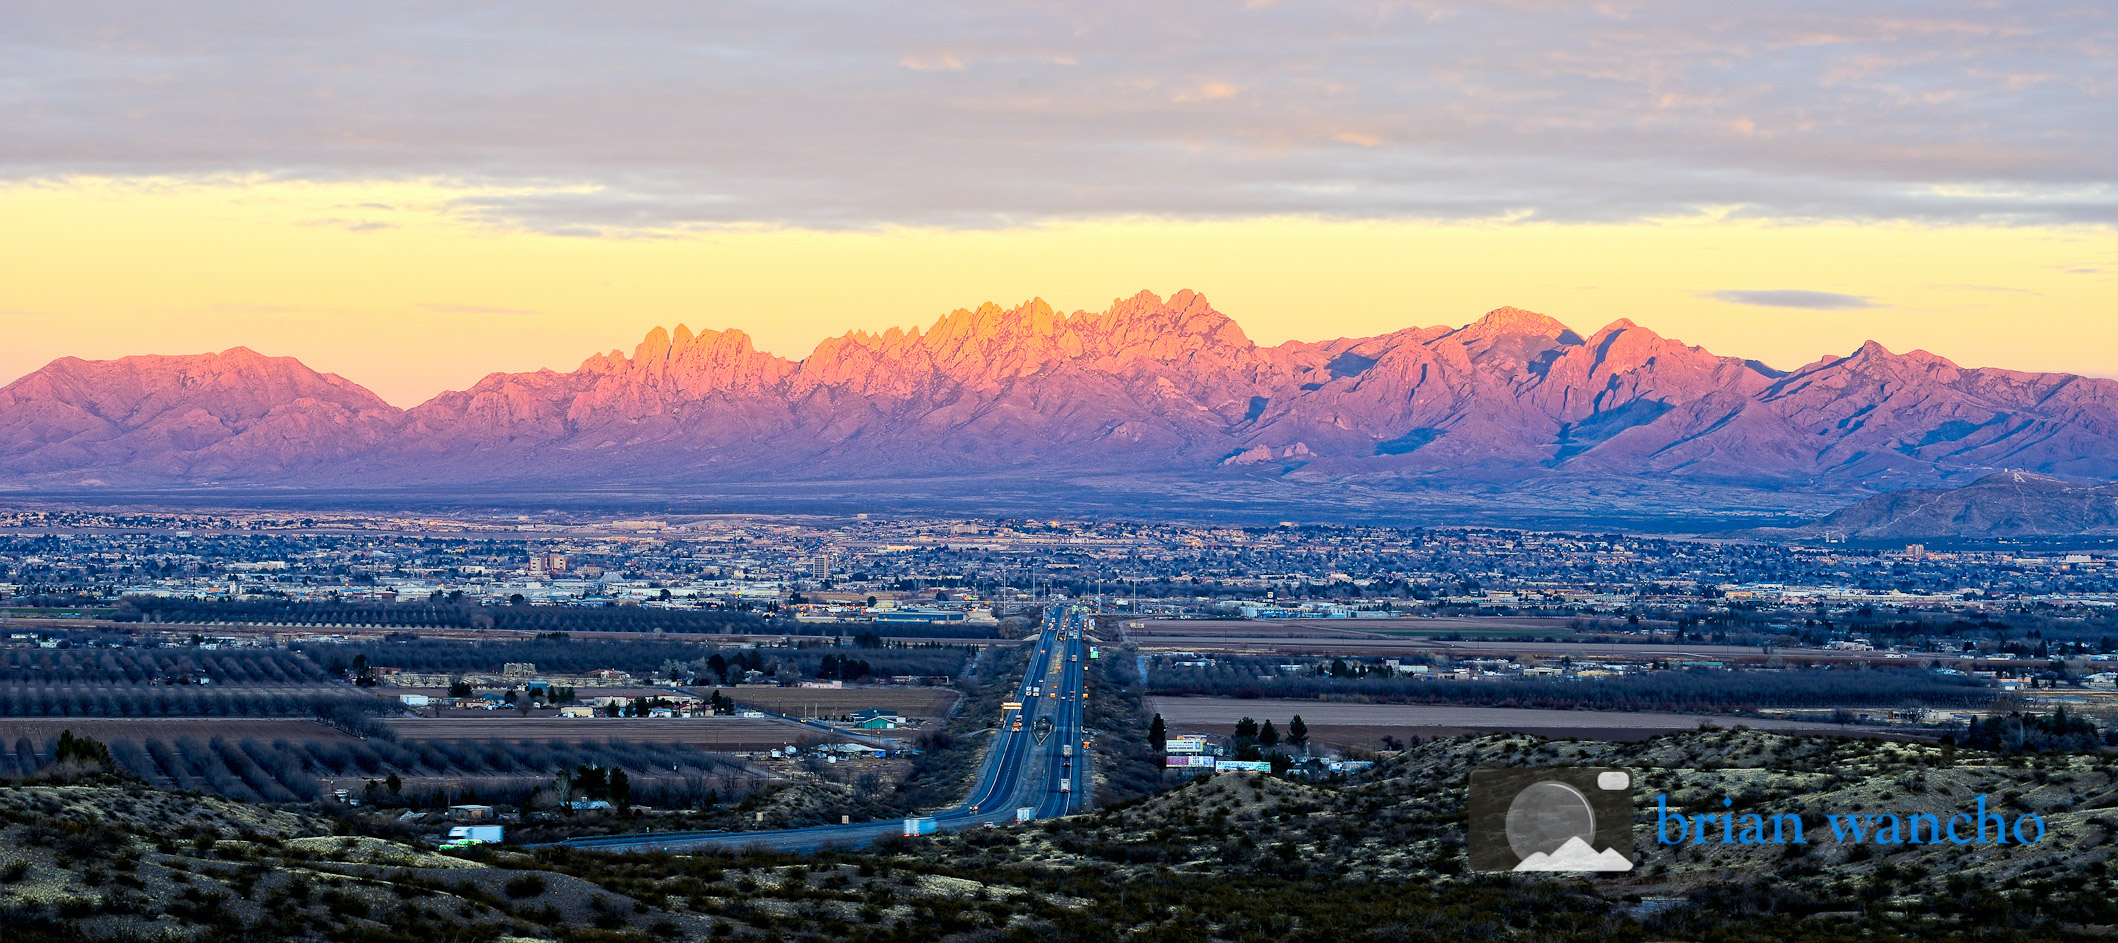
(415, 199)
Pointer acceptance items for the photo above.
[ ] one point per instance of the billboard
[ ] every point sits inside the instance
(1247, 766)
(1186, 745)
(1188, 761)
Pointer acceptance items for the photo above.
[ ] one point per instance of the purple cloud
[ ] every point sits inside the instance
(1792, 298)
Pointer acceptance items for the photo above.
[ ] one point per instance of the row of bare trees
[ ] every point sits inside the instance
(151, 665)
(642, 657)
(281, 770)
(39, 700)
(1703, 689)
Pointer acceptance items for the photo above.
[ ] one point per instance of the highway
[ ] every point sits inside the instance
(1035, 750)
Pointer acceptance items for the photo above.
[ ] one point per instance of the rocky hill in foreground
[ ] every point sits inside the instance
(1148, 389)
(1233, 857)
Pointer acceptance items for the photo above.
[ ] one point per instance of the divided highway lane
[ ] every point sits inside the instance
(1018, 770)
(1065, 758)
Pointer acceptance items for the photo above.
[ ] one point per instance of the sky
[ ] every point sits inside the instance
(414, 195)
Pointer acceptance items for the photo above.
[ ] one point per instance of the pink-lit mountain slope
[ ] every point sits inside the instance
(233, 415)
(1146, 387)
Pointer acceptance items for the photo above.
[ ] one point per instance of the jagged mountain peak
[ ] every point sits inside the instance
(1510, 321)
(665, 344)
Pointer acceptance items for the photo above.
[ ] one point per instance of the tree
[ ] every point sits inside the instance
(1246, 729)
(719, 666)
(81, 749)
(1269, 736)
(620, 789)
(593, 781)
(394, 783)
(459, 688)
(1158, 734)
(1298, 733)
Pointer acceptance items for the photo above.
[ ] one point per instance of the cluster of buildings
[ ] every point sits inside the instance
(1197, 755)
(869, 570)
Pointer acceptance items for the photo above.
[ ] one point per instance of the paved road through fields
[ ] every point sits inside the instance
(1024, 767)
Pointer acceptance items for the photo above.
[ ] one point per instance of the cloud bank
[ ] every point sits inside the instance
(629, 118)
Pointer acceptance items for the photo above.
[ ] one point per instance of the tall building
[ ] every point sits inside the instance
(820, 568)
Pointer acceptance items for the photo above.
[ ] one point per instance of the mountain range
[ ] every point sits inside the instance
(1170, 390)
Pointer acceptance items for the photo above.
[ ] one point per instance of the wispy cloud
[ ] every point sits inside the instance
(349, 225)
(1991, 289)
(1791, 298)
(442, 308)
(946, 62)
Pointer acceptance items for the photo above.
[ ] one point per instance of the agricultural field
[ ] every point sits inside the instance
(164, 665)
(297, 761)
(138, 729)
(1483, 627)
(729, 734)
(1364, 725)
(1139, 629)
(1698, 689)
(920, 703)
(282, 725)
(644, 659)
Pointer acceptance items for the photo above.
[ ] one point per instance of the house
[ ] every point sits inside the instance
(852, 749)
(876, 718)
(577, 712)
(414, 700)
